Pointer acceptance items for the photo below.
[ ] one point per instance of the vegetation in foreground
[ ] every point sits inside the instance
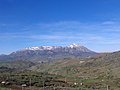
(29, 80)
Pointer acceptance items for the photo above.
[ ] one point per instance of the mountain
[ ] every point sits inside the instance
(49, 53)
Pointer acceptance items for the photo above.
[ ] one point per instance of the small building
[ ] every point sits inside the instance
(24, 85)
(3, 82)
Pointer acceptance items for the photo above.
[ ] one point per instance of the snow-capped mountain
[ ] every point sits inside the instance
(50, 53)
(42, 48)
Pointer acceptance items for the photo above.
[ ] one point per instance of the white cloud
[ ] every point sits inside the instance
(100, 33)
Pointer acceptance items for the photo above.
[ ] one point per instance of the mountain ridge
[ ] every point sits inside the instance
(54, 47)
(50, 53)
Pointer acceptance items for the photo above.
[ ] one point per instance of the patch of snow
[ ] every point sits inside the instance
(74, 45)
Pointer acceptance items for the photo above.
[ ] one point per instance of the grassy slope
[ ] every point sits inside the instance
(94, 66)
(99, 69)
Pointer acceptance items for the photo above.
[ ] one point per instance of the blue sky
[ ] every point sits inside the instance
(91, 23)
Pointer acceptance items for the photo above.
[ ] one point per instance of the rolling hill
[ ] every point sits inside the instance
(93, 67)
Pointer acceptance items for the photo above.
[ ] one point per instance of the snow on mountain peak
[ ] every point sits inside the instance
(40, 48)
(78, 46)
(74, 45)
(32, 48)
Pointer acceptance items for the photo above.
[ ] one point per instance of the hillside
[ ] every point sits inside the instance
(93, 67)
(95, 72)
(18, 65)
